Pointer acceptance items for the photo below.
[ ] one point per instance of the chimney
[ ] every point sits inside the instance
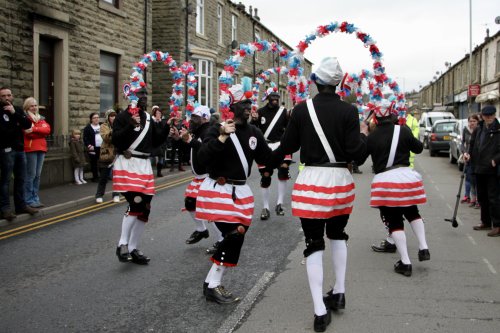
(240, 7)
(256, 15)
(487, 33)
(250, 10)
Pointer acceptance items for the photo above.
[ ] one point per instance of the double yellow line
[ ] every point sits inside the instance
(86, 210)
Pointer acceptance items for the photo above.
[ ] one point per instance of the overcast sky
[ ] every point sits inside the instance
(416, 37)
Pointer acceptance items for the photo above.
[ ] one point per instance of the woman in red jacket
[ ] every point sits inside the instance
(35, 146)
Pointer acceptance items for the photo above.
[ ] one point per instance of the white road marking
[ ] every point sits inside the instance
(449, 207)
(490, 266)
(246, 304)
(471, 239)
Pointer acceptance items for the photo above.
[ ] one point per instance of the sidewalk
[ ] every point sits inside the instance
(67, 196)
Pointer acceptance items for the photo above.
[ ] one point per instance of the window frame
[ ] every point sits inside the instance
(234, 27)
(220, 16)
(200, 17)
(108, 73)
(207, 78)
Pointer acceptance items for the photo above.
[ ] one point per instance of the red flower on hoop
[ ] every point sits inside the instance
(322, 30)
(302, 46)
(343, 26)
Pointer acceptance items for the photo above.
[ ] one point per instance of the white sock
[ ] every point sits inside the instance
(265, 197)
(218, 234)
(314, 265)
(200, 224)
(81, 175)
(135, 235)
(76, 174)
(214, 277)
(281, 191)
(339, 259)
(390, 240)
(127, 224)
(419, 230)
(400, 240)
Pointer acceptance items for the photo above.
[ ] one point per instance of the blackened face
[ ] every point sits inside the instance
(274, 101)
(195, 122)
(142, 103)
(241, 111)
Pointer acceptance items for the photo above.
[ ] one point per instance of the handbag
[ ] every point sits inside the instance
(107, 154)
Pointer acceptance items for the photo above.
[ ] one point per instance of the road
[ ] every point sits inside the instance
(65, 277)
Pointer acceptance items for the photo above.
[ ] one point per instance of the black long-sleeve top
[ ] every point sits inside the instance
(266, 116)
(379, 146)
(195, 144)
(11, 129)
(222, 159)
(340, 124)
(485, 147)
(124, 133)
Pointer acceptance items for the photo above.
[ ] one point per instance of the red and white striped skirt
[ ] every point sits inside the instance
(133, 175)
(322, 193)
(215, 203)
(193, 187)
(400, 187)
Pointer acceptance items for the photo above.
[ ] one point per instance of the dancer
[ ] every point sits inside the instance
(327, 132)
(134, 137)
(198, 126)
(396, 188)
(224, 197)
(272, 120)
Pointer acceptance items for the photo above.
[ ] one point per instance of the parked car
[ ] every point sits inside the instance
(456, 142)
(439, 136)
(427, 120)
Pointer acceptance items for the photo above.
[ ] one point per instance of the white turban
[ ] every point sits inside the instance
(328, 72)
(202, 111)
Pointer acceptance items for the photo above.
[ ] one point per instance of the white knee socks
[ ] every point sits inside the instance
(281, 191)
(339, 259)
(265, 197)
(214, 276)
(419, 230)
(314, 264)
(135, 235)
(200, 224)
(400, 240)
(127, 224)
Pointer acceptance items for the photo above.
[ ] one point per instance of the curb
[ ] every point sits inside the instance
(78, 203)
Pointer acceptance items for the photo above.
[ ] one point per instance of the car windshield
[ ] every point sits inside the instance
(444, 127)
(433, 119)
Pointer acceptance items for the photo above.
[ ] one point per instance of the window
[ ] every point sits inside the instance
(114, 3)
(234, 27)
(257, 37)
(498, 57)
(219, 23)
(486, 65)
(204, 70)
(109, 81)
(200, 17)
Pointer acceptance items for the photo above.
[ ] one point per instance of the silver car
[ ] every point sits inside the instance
(456, 143)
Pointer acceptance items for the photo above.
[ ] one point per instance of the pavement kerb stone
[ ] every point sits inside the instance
(78, 203)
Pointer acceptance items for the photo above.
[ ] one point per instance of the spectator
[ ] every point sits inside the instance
(484, 153)
(77, 156)
(470, 195)
(35, 147)
(92, 140)
(158, 154)
(106, 157)
(175, 123)
(12, 157)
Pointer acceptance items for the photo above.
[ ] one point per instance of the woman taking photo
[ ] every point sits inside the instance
(35, 147)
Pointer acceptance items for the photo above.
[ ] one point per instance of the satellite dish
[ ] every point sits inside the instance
(234, 44)
(497, 20)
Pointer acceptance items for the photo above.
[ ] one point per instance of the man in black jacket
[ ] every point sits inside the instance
(272, 120)
(12, 158)
(327, 132)
(484, 153)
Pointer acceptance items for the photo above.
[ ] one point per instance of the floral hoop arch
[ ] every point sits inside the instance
(344, 27)
(234, 62)
(302, 87)
(178, 73)
(354, 81)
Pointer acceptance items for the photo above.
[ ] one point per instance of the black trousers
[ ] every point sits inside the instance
(489, 198)
(104, 174)
(393, 216)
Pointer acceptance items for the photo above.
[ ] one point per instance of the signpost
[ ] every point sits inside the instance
(474, 90)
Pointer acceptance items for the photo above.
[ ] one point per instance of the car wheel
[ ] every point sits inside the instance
(452, 159)
(426, 145)
(432, 152)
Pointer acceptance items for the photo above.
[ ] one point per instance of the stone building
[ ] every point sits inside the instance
(213, 30)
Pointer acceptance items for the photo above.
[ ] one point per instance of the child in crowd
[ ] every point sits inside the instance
(77, 156)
